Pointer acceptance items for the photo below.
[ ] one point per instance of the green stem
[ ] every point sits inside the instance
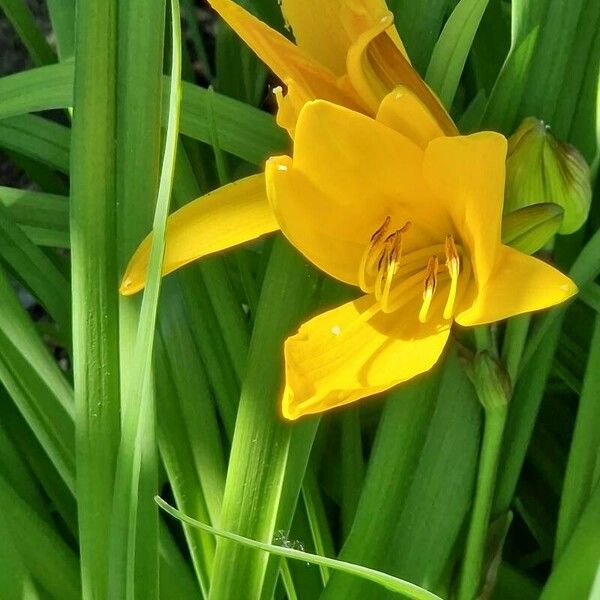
(495, 419)
(490, 381)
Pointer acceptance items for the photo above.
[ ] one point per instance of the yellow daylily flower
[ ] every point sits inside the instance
(347, 52)
(414, 223)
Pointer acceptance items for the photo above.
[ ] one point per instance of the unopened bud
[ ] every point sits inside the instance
(540, 169)
(491, 381)
(529, 229)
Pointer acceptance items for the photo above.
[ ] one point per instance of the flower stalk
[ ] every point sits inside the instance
(493, 390)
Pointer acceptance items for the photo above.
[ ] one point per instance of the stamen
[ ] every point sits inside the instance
(453, 266)
(394, 254)
(373, 254)
(430, 285)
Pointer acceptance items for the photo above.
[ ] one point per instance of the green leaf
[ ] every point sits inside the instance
(383, 579)
(574, 573)
(452, 48)
(95, 282)
(134, 531)
(581, 477)
(50, 560)
(23, 21)
(38, 138)
(256, 480)
(36, 271)
(419, 25)
(43, 217)
(62, 17)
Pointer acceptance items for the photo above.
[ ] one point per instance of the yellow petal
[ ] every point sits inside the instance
(285, 59)
(519, 284)
(231, 215)
(326, 29)
(342, 356)
(304, 212)
(404, 112)
(376, 67)
(367, 172)
(467, 175)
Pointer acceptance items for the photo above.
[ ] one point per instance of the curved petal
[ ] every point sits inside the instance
(343, 355)
(376, 67)
(285, 59)
(325, 30)
(466, 174)
(304, 212)
(229, 216)
(519, 284)
(369, 172)
(403, 111)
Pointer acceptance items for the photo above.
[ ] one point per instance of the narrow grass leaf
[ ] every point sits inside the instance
(383, 579)
(452, 48)
(261, 444)
(43, 217)
(581, 477)
(40, 139)
(50, 560)
(134, 557)
(22, 19)
(95, 283)
(62, 18)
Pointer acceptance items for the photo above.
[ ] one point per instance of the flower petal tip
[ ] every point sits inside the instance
(127, 287)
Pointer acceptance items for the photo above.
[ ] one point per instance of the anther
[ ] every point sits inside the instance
(453, 266)
(388, 265)
(429, 287)
(373, 254)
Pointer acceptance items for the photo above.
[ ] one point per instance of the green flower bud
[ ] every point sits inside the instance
(529, 229)
(539, 169)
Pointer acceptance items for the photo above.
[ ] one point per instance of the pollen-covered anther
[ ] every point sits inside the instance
(453, 266)
(429, 287)
(393, 255)
(372, 256)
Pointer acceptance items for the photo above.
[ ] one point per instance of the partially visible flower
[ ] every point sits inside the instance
(542, 169)
(347, 52)
(415, 224)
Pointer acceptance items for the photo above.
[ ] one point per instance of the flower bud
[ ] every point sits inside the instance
(529, 229)
(491, 381)
(539, 168)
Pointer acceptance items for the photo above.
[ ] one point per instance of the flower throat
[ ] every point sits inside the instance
(393, 276)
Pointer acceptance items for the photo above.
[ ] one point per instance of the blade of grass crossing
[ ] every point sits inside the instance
(95, 281)
(383, 579)
(134, 560)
